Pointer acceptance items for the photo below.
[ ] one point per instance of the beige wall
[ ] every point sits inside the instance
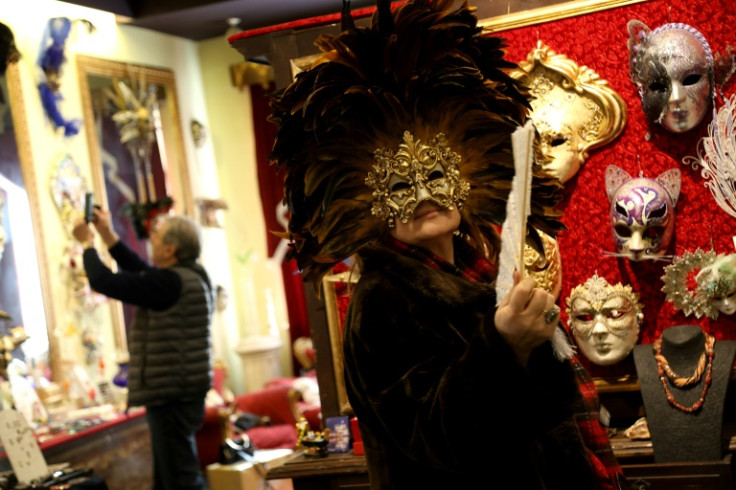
(223, 167)
(257, 280)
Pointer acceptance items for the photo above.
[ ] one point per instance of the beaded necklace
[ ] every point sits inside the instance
(705, 364)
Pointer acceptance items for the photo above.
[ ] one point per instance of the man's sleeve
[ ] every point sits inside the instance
(127, 259)
(152, 288)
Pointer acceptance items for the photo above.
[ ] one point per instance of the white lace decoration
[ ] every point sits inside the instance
(717, 157)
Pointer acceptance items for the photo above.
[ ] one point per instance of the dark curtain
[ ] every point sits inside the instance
(270, 185)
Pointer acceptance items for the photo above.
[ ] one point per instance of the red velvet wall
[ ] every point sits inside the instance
(599, 41)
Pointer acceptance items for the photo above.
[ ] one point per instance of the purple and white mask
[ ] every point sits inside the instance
(673, 68)
(642, 212)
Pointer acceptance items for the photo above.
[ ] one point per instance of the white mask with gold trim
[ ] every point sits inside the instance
(604, 319)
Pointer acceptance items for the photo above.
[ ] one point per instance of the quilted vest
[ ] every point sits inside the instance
(170, 350)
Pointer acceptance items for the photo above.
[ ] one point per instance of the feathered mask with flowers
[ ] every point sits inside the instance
(423, 69)
(702, 283)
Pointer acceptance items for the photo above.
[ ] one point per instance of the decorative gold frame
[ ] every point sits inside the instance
(20, 123)
(550, 13)
(176, 169)
(335, 334)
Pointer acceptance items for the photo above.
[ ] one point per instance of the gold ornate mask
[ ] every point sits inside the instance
(546, 271)
(573, 109)
(415, 173)
(604, 319)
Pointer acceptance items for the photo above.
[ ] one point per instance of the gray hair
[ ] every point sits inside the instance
(183, 233)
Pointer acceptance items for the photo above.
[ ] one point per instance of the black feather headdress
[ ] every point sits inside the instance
(425, 68)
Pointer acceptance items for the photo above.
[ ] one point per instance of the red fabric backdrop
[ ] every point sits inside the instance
(271, 187)
(599, 41)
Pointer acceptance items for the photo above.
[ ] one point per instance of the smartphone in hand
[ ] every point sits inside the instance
(88, 208)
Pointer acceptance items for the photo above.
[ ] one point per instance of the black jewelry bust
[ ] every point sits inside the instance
(679, 436)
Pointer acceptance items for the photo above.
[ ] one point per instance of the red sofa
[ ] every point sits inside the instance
(278, 400)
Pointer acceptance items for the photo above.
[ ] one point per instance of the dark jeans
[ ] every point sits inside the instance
(175, 460)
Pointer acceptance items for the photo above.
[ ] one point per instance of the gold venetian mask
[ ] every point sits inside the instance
(545, 270)
(573, 109)
(604, 319)
(415, 173)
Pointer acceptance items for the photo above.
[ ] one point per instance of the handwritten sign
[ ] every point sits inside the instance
(21, 447)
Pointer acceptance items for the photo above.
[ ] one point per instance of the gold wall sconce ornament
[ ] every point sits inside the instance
(573, 109)
(210, 211)
(249, 73)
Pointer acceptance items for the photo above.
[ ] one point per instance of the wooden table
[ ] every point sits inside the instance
(337, 471)
(347, 471)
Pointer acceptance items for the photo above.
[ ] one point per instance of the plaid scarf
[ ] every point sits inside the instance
(468, 264)
(473, 267)
(594, 433)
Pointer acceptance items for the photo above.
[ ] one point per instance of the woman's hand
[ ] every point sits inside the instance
(522, 316)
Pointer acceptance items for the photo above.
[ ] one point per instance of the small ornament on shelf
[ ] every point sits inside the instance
(315, 443)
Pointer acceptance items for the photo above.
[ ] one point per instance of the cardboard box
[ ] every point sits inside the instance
(250, 475)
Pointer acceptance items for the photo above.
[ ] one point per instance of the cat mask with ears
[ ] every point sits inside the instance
(642, 212)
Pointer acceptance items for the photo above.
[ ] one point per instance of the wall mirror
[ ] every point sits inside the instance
(138, 163)
(24, 295)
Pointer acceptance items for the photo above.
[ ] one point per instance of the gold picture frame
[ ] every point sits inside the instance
(335, 332)
(35, 280)
(94, 73)
(546, 11)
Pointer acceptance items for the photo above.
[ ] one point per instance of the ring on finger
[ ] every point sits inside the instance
(552, 315)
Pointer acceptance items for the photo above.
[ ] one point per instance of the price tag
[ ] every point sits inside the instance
(21, 447)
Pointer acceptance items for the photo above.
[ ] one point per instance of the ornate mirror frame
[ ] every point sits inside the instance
(173, 158)
(20, 124)
(541, 11)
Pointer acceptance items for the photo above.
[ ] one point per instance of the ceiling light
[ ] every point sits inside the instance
(233, 24)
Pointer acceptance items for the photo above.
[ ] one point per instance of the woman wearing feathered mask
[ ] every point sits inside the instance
(395, 148)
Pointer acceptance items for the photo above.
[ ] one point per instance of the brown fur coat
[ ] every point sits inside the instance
(441, 400)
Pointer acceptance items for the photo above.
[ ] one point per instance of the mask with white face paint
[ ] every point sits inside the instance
(718, 283)
(604, 319)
